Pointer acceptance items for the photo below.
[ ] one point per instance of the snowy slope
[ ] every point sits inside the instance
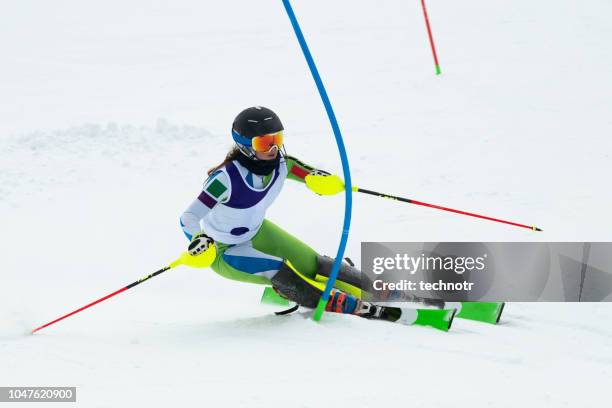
(111, 113)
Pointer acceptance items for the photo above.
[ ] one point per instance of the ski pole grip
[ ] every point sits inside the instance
(203, 260)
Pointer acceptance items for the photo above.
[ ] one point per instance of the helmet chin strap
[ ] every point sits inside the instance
(247, 151)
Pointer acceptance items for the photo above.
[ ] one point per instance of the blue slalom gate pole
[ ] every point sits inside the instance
(343, 157)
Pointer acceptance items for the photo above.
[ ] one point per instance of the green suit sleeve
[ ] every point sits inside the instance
(297, 170)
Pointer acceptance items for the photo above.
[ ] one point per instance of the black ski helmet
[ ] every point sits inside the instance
(252, 122)
(256, 121)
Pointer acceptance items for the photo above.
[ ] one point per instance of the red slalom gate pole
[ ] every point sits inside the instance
(131, 285)
(431, 40)
(439, 207)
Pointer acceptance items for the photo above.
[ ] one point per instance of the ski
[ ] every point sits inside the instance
(486, 312)
(440, 319)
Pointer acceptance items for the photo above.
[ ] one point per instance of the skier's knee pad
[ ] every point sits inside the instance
(295, 288)
(347, 273)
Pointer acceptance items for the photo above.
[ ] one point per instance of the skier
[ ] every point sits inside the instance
(230, 212)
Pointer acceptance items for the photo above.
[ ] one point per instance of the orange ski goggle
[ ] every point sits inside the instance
(262, 143)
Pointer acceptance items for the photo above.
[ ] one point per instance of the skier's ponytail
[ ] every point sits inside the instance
(231, 155)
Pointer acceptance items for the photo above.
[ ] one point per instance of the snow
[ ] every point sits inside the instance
(111, 113)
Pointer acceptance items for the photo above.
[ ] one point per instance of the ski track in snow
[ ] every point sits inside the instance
(112, 117)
